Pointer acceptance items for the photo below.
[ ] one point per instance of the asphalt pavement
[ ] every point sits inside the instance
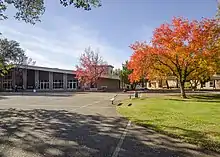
(79, 125)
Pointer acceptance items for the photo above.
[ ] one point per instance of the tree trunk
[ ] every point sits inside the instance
(149, 84)
(214, 85)
(196, 84)
(177, 83)
(133, 86)
(160, 85)
(122, 83)
(182, 89)
(193, 85)
(167, 84)
(142, 83)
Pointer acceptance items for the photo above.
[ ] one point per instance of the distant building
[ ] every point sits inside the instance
(172, 82)
(51, 79)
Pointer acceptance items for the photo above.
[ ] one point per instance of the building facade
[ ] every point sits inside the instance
(171, 82)
(50, 79)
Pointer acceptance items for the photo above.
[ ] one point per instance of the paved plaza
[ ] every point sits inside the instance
(79, 125)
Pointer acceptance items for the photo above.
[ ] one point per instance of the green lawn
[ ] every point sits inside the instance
(196, 119)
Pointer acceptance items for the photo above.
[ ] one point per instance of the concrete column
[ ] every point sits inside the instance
(157, 84)
(36, 79)
(217, 84)
(199, 86)
(25, 78)
(51, 80)
(65, 81)
(207, 84)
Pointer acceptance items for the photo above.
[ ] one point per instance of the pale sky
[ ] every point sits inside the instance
(64, 33)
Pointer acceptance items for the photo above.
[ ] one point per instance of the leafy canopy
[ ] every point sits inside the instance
(10, 54)
(183, 49)
(30, 11)
(125, 72)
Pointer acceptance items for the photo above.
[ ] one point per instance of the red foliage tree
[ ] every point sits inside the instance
(91, 68)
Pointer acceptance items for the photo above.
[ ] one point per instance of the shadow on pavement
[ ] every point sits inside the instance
(59, 133)
(47, 94)
(2, 98)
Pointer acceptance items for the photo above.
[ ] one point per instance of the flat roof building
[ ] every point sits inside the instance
(51, 79)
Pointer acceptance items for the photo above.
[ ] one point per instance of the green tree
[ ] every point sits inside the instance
(30, 11)
(125, 72)
(10, 54)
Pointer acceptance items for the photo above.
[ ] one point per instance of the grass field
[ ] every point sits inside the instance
(195, 120)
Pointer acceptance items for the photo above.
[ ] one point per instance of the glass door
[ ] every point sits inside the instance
(44, 85)
(72, 84)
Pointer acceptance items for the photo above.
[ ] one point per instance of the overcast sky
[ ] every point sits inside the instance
(64, 33)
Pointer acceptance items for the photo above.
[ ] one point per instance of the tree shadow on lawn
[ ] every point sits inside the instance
(60, 133)
(119, 104)
(208, 97)
(195, 137)
(215, 98)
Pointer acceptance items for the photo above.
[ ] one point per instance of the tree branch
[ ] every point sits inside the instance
(168, 67)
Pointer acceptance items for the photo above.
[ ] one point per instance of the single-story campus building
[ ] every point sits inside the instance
(171, 82)
(51, 79)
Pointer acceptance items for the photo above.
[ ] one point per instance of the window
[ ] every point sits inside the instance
(104, 87)
(8, 75)
(7, 81)
(57, 84)
(203, 84)
(212, 84)
(71, 84)
(7, 84)
(44, 84)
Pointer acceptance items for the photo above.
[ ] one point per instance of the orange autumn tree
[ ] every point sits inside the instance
(143, 65)
(139, 62)
(180, 49)
(183, 48)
